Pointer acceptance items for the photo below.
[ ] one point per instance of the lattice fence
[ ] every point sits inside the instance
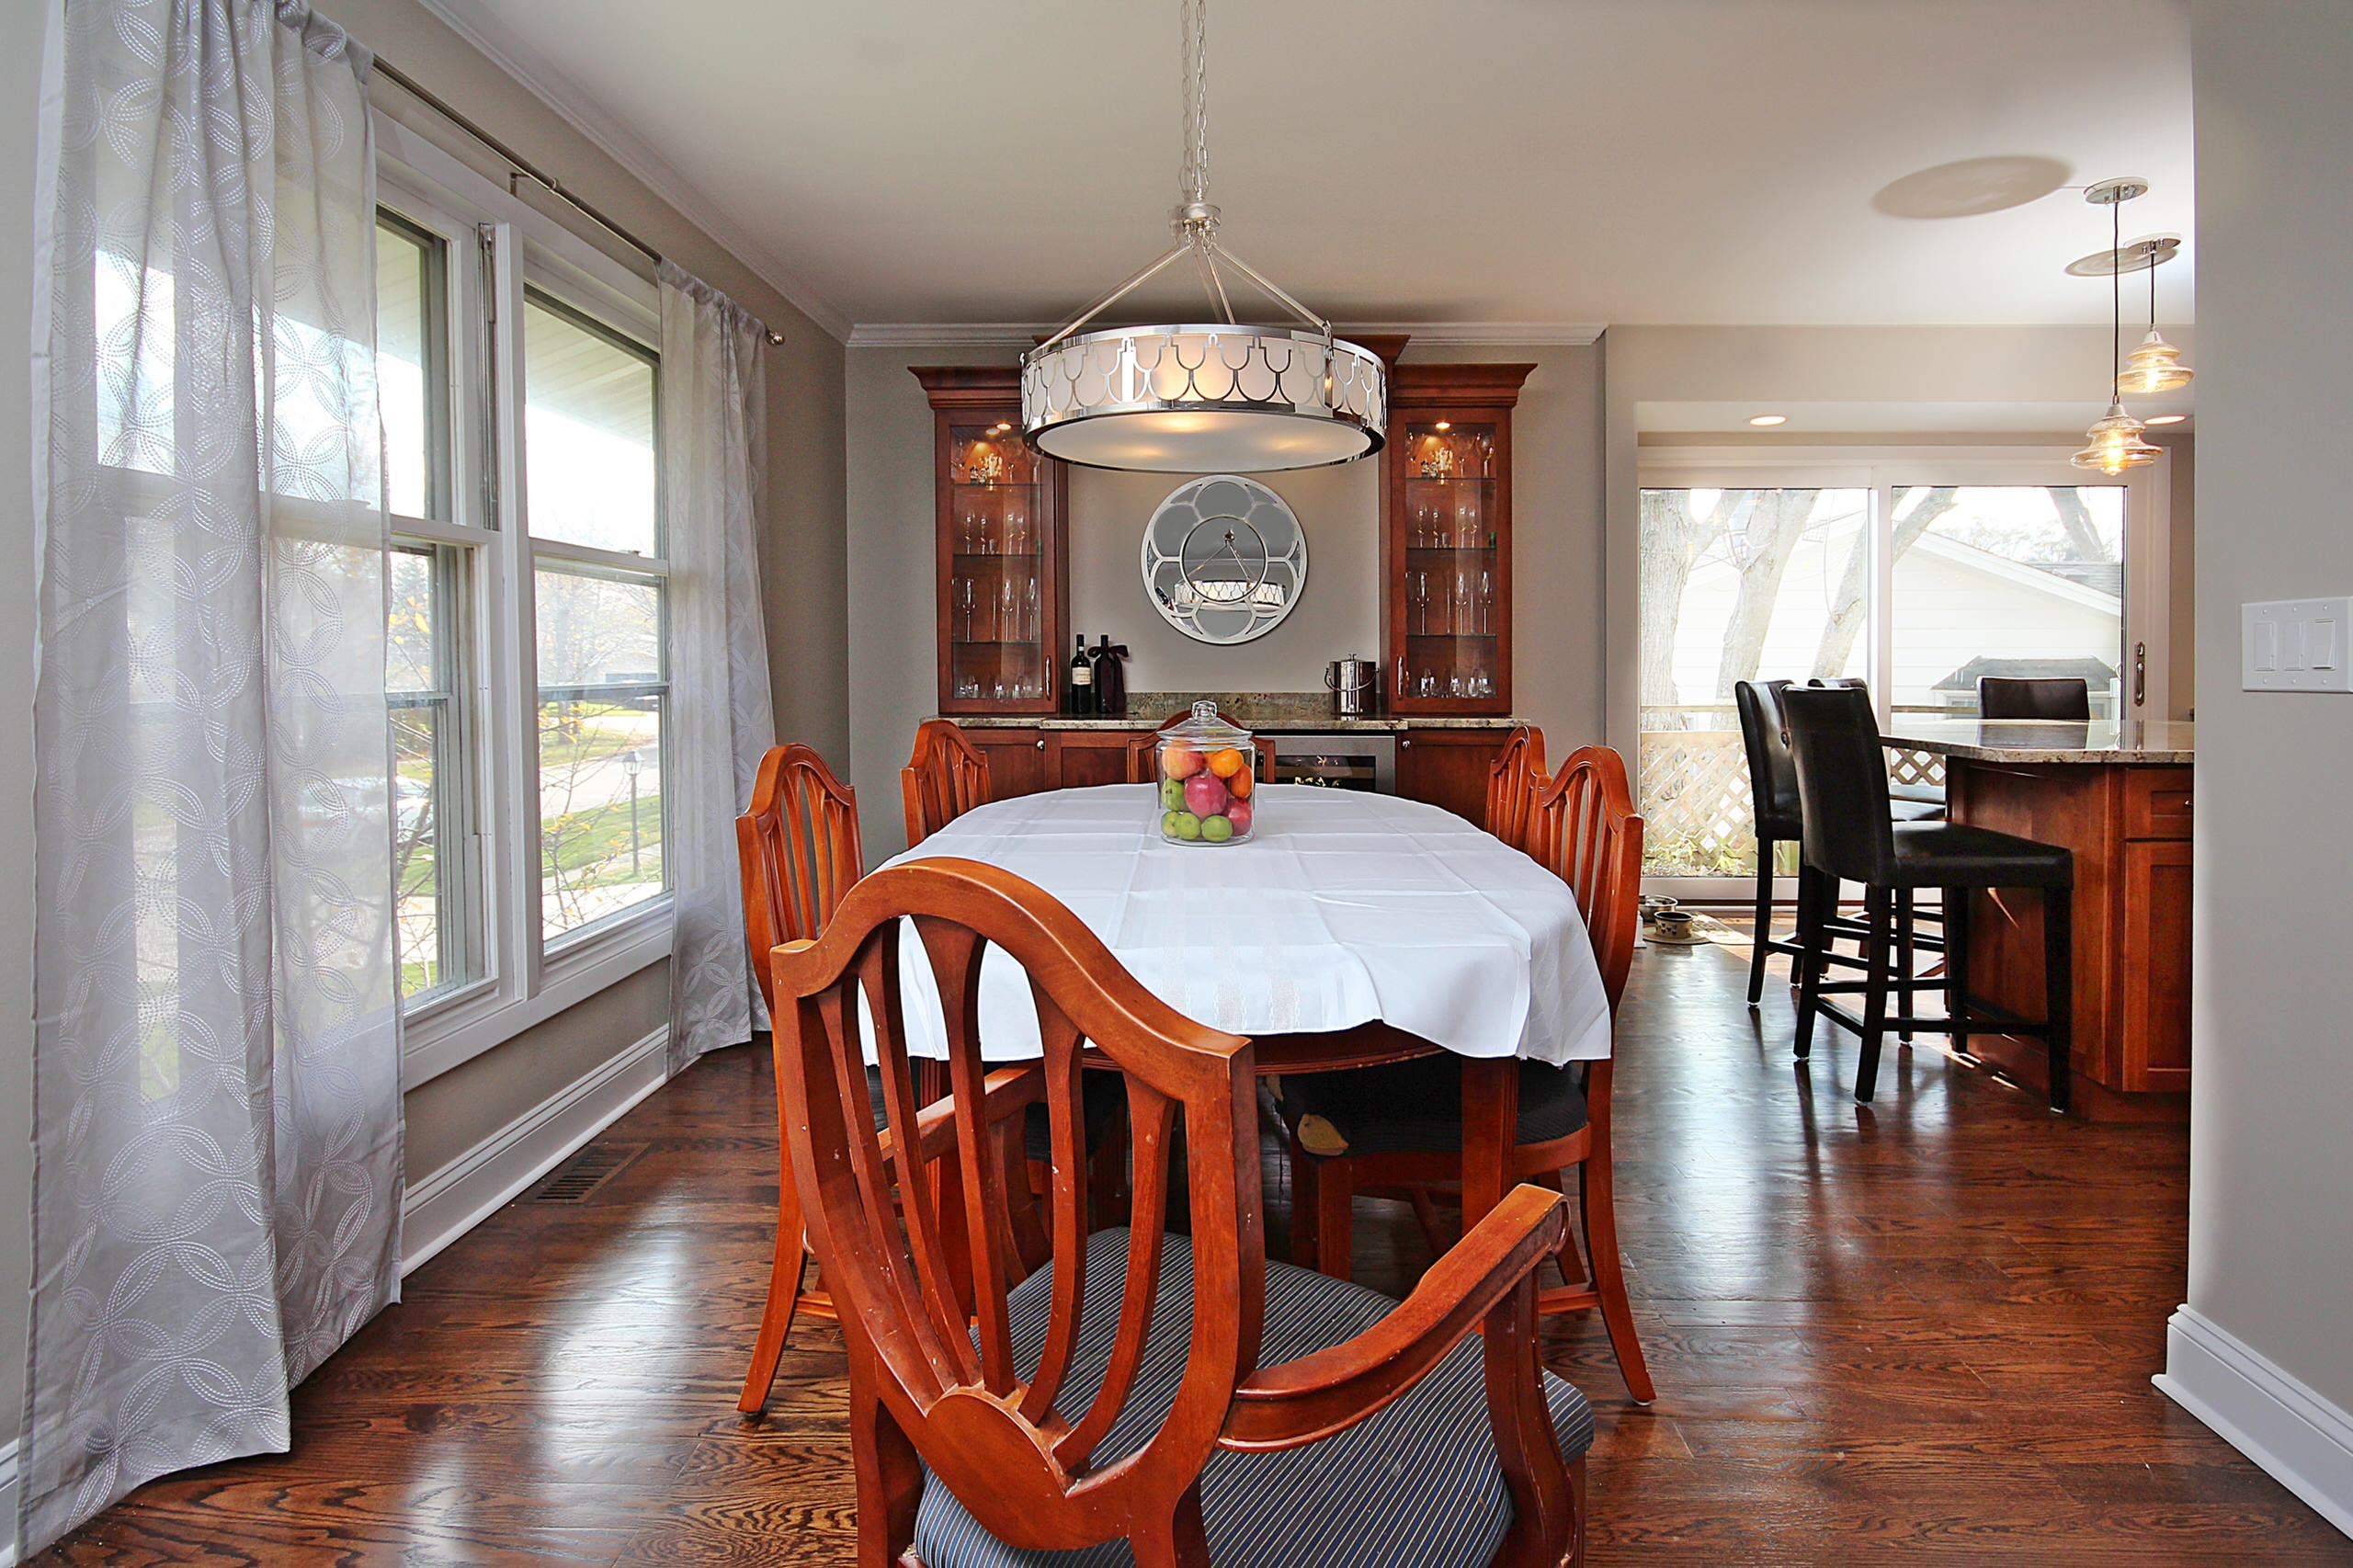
(1696, 801)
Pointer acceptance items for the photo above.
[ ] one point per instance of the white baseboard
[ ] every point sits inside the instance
(2257, 1407)
(8, 1504)
(483, 1179)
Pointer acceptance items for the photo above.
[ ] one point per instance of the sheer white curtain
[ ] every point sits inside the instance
(715, 411)
(217, 1116)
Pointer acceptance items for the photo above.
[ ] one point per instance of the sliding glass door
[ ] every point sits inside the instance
(1917, 576)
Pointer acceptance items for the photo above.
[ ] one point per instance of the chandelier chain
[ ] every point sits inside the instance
(1192, 19)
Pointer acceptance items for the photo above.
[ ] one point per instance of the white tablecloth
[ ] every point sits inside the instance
(1342, 908)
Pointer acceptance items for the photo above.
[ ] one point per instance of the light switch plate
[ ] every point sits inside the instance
(2296, 646)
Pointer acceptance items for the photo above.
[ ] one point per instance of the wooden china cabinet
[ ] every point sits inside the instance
(1446, 630)
(1004, 586)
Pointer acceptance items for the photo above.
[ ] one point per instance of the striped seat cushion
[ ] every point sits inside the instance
(1415, 1107)
(1418, 1483)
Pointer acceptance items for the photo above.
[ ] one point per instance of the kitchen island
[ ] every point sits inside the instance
(2119, 794)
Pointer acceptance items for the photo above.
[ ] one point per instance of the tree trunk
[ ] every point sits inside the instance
(1775, 530)
(2076, 519)
(1672, 540)
(1838, 633)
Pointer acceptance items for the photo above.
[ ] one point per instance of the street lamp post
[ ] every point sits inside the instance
(633, 764)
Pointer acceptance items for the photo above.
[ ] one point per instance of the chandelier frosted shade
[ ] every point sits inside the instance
(1204, 399)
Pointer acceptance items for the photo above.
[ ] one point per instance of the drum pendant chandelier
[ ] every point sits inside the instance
(1221, 397)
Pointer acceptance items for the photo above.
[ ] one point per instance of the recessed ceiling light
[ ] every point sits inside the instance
(2166, 418)
(1769, 419)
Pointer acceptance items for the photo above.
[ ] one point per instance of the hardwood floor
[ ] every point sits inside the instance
(1897, 1334)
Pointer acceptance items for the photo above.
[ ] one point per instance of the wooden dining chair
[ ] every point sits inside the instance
(945, 777)
(1513, 782)
(1398, 1129)
(799, 849)
(1177, 1392)
(801, 853)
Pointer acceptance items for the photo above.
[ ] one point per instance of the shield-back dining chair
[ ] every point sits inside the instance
(1171, 1400)
(946, 776)
(799, 846)
(1398, 1129)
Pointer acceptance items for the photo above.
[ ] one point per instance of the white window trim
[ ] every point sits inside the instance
(530, 980)
(1878, 470)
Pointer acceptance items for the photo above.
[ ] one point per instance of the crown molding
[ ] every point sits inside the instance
(1424, 334)
(947, 333)
(1486, 334)
(570, 101)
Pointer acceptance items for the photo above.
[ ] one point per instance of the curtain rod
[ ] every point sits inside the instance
(522, 165)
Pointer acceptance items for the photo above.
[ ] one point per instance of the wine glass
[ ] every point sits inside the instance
(964, 602)
(1009, 614)
(1030, 608)
(1486, 600)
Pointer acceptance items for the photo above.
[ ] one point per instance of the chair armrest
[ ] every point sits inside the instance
(1316, 1396)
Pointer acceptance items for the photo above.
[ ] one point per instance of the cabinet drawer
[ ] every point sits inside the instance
(2158, 802)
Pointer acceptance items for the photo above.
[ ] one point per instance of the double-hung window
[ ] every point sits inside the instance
(526, 666)
(592, 489)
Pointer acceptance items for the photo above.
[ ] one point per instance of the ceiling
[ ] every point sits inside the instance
(1392, 161)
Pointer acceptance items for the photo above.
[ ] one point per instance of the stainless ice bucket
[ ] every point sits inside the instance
(1353, 684)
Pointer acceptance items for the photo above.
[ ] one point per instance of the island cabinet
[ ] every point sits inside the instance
(2121, 800)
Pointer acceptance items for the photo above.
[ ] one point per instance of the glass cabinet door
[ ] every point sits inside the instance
(1455, 614)
(998, 587)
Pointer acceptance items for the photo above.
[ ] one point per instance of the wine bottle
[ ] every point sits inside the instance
(1078, 697)
(1110, 679)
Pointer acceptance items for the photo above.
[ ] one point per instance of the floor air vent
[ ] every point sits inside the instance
(577, 1179)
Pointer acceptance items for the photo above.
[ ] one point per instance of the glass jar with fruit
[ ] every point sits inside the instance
(1209, 778)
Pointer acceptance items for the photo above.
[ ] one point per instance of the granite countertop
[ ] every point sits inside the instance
(2139, 742)
(1266, 712)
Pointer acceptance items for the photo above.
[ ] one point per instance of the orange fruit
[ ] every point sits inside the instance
(1180, 761)
(1240, 784)
(1226, 764)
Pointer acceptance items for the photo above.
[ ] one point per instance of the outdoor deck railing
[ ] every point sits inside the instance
(1694, 794)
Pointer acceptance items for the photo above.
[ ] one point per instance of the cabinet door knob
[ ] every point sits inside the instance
(1406, 741)
(1041, 743)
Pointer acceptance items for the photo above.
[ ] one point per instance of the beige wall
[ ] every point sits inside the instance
(893, 684)
(21, 23)
(2270, 1247)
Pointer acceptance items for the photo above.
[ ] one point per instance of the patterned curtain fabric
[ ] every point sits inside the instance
(216, 1053)
(715, 411)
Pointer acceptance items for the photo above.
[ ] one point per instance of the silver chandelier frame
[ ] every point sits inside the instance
(1304, 372)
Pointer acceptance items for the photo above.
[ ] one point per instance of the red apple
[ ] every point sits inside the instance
(1205, 795)
(1238, 814)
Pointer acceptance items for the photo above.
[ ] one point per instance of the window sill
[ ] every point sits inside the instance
(455, 1032)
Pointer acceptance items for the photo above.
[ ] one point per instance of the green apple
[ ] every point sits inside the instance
(1168, 825)
(1172, 794)
(1185, 824)
(1217, 829)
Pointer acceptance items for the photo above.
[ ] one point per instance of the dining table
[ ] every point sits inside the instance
(1346, 930)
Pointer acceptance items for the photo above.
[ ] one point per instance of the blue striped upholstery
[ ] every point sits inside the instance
(1410, 1107)
(1418, 1483)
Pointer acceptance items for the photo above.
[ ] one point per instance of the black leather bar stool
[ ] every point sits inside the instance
(1843, 804)
(2018, 696)
(1773, 793)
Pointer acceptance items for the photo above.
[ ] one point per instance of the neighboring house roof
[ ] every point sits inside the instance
(2095, 585)
(2094, 672)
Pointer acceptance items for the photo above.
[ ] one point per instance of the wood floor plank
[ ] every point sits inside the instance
(1916, 1332)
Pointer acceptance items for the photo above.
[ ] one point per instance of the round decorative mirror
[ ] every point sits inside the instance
(1224, 558)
